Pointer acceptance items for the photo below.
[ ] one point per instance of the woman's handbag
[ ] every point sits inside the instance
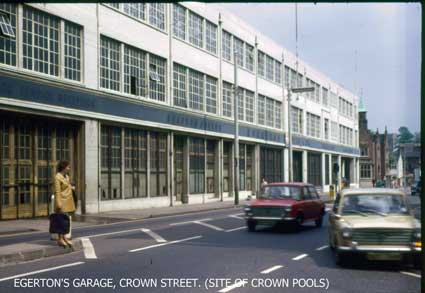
(59, 223)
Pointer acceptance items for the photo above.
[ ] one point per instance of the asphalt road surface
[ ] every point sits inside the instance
(203, 252)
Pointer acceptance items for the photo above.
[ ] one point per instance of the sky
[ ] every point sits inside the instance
(385, 37)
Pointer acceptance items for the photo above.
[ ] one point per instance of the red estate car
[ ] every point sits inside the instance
(295, 203)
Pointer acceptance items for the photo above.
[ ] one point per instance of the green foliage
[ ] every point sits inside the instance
(404, 135)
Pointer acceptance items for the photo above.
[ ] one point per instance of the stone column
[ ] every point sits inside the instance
(186, 170)
(305, 174)
(323, 165)
(91, 199)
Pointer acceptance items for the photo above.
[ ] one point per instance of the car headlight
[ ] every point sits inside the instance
(417, 235)
(288, 209)
(247, 208)
(346, 233)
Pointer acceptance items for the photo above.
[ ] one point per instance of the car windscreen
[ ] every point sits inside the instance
(366, 204)
(281, 192)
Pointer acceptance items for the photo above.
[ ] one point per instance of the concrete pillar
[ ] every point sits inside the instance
(186, 170)
(330, 169)
(358, 172)
(341, 169)
(92, 166)
(286, 164)
(323, 165)
(305, 174)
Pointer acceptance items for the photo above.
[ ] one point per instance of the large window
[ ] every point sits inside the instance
(226, 44)
(110, 145)
(196, 90)
(239, 49)
(261, 108)
(8, 43)
(157, 15)
(271, 164)
(261, 64)
(334, 131)
(269, 68)
(158, 164)
(364, 151)
(135, 156)
(287, 77)
(269, 112)
(136, 10)
(211, 94)
(227, 159)
(109, 64)
(211, 154)
(73, 51)
(297, 120)
(249, 59)
(365, 171)
(134, 71)
(241, 110)
(195, 30)
(314, 169)
(227, 99)
(246, 155)
(211, 37)
(197, 165)
(179, 21)
(40, 41)
(278, 114)
(277, 72)
(157, 73)
(325, 99)
(326, 128)
(313, 125)
(249, 106)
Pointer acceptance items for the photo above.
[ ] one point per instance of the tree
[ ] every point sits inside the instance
(404, 135)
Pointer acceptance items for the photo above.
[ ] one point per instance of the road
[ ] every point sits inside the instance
(184, 253)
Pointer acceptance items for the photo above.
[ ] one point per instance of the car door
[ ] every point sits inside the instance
(307, 203)
(332, 218)
(316, 203)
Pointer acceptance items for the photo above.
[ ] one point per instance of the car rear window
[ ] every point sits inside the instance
(283, 192)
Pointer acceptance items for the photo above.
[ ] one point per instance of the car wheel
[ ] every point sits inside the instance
(331, 243)
(319, 222)
(299, 221)
(251, 226)
(417, 264)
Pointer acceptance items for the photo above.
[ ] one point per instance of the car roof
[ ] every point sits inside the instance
(293, 184)
(371, 191)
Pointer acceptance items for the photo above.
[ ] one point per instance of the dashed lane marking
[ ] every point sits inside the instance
(188, 222)
(88, 249)
(42, 271)
(269, 270)
(154, 235)
(300, 256)
(231, 287)
(112, 233)
(322, 247)
(208, 225)
(411, 274)
(237, 216)
(165, 243)
(236, 229)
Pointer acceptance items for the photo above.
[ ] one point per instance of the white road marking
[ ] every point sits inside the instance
(412, 274)
(188, 222)
(208, 225)
(300, 256)
(236, 229)
(236, 216)
(42, 271)
(154, 235)
(165, 243)
(322, 247)
(269, 270)
(88, 248)
(231, 287)
(112, 233)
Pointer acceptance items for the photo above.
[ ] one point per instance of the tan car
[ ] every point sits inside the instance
(377, 223)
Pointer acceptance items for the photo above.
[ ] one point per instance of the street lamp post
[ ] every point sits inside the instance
(291, 91)
(236, 139)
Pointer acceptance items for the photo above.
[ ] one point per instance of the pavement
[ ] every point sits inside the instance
(198, 252)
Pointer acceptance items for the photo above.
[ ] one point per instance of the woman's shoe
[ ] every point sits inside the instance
(68, 242)
(62, 243)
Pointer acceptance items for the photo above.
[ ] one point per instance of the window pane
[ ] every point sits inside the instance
(8, 44)
(109, 64)
(196, 90)
(179, 21)
(157, 15)
(227, 100)
(195, 30)
(179, 85)
(211, 37)
(226, 46)
(211, 94)
(157, 65)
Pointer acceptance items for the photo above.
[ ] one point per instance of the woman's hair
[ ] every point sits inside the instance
(62, 165)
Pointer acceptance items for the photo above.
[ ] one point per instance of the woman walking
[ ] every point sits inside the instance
(64, 201)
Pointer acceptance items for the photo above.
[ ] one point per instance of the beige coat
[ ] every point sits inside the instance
(64, 199)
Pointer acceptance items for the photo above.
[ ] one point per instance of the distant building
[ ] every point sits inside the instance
(374, 152)
(409, 160)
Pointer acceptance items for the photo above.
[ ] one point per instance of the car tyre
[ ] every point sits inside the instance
(251, 226)
(331, 243)
(340, 258)
(298, 222)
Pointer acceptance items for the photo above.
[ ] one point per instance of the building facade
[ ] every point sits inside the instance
(139, 98)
